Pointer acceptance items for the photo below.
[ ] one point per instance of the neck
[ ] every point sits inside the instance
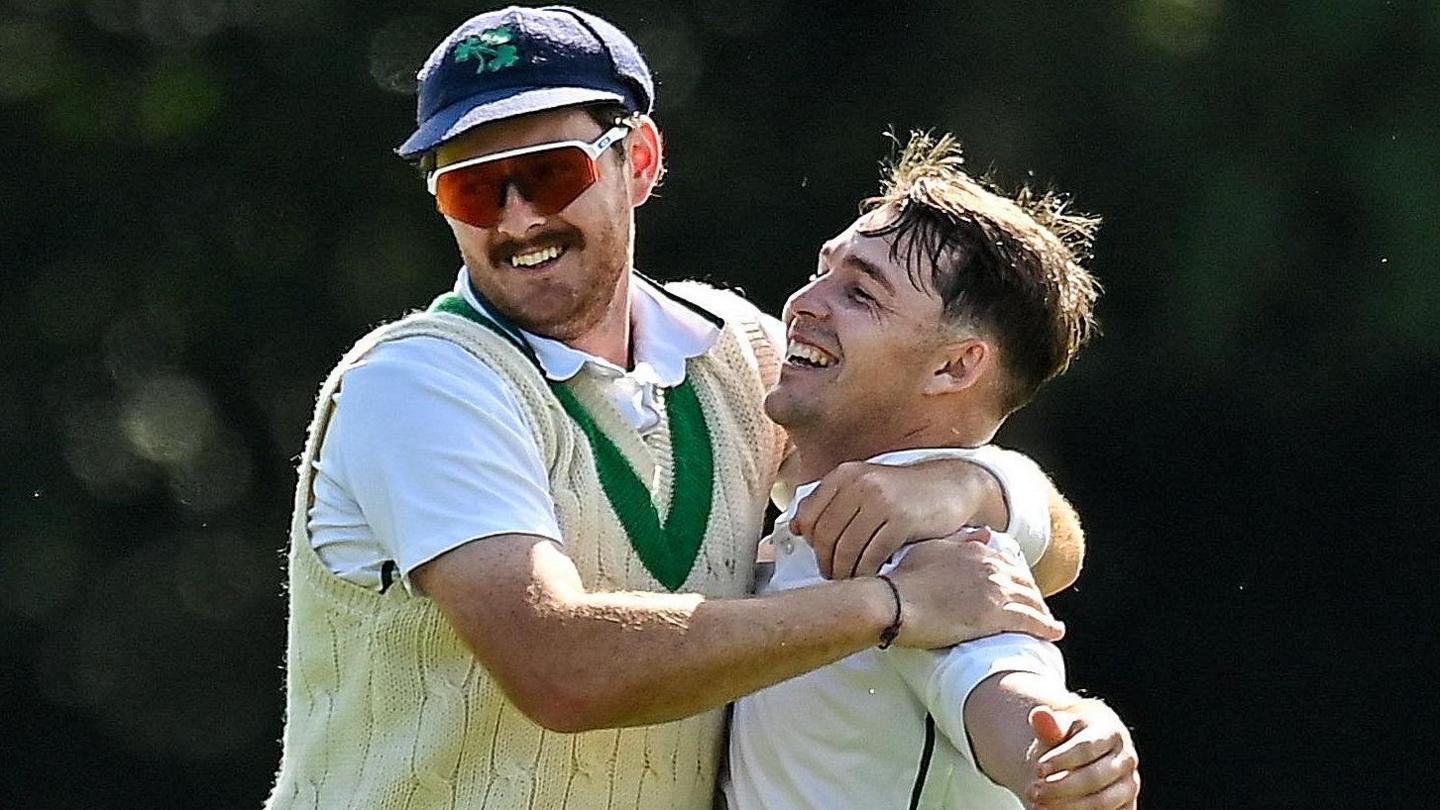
(609, 338)
(823, 449)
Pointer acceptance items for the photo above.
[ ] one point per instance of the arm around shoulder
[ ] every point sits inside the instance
(574, 660)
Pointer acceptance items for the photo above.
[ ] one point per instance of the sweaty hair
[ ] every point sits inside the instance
(1007, 266)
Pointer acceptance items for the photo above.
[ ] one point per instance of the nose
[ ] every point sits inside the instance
(517, 214)
(808, 301)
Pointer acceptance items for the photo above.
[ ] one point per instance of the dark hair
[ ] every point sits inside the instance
(1008, 266)
(608, 113)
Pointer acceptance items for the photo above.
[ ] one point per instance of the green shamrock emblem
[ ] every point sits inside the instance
(491, 50)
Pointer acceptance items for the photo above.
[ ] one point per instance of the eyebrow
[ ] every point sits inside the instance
(871, 270)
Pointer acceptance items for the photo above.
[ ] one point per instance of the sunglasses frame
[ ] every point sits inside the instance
(593, 149)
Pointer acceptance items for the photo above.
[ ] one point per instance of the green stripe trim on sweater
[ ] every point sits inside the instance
(667, 550)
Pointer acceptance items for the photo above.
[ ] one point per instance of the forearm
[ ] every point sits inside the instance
(641, 658)
(575, 660)
(997, 721)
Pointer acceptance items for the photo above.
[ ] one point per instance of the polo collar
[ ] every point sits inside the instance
(664, 334)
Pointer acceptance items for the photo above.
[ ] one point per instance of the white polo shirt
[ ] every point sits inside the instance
(886, 728)
(428, 448)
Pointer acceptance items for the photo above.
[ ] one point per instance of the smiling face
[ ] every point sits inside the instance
(563, 275)
(868, 349)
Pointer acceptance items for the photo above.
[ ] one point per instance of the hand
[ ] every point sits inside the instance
(861, 513)
(1084, 759)
(957, 588)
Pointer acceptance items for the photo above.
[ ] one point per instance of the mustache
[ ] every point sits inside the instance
(564, 237)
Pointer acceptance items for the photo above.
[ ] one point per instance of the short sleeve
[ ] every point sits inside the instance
(944, 679)
(1027, 496)
(435, 449)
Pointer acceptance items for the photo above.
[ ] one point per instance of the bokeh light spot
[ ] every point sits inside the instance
(99, 455)
(168, 419)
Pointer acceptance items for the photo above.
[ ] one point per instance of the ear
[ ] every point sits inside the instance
(961, 366)
(646, 159)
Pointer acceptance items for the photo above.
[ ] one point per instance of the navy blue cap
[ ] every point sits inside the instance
(522, 60)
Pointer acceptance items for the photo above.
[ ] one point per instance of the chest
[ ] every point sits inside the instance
(676, 508)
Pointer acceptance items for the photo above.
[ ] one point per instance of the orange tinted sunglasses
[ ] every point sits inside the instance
(549, 175)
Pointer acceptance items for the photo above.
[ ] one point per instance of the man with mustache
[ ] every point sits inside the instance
(526, 520)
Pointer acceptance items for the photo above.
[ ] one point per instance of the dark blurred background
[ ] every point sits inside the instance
(199, 211)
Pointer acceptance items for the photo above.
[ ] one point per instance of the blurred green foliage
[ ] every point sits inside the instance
(200, 211)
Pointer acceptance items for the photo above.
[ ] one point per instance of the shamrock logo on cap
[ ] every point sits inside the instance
(491, 49)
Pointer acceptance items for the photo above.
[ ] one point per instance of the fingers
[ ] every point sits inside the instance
(829, 527)
(1119, 795)
(1115, 768)
(861, 513)
(1047, 726)
(853, 542)
(881, 547)
(1022, 591)
(1095, 768)
(1098, 731)
(1018, 618)
(810, 509)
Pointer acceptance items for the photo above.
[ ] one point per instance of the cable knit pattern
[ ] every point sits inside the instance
(387, 709)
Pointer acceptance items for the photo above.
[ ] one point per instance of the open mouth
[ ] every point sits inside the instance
(804, 355)
(538, 259)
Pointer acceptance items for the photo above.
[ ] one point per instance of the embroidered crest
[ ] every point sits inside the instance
(490, 50)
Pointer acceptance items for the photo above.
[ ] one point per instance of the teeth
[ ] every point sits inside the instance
(536, 257)
(810, 354)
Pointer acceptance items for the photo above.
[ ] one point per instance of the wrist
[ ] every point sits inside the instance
(875, 603)
(892, 630)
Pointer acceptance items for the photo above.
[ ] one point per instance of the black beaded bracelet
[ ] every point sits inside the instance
(887, 636)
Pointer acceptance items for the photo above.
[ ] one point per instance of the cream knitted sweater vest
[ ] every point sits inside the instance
(387, 709)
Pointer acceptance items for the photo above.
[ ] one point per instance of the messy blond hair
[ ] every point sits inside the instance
(1007, 265)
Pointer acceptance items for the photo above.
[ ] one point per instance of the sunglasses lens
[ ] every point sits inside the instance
(473, 194)
(550, 180)
(555, 178)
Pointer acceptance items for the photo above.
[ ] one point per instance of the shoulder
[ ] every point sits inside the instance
(439, 346)
(400, 375)
(762, 331)
(728, 305)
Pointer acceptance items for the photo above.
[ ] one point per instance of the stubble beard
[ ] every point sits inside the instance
(571, 307)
